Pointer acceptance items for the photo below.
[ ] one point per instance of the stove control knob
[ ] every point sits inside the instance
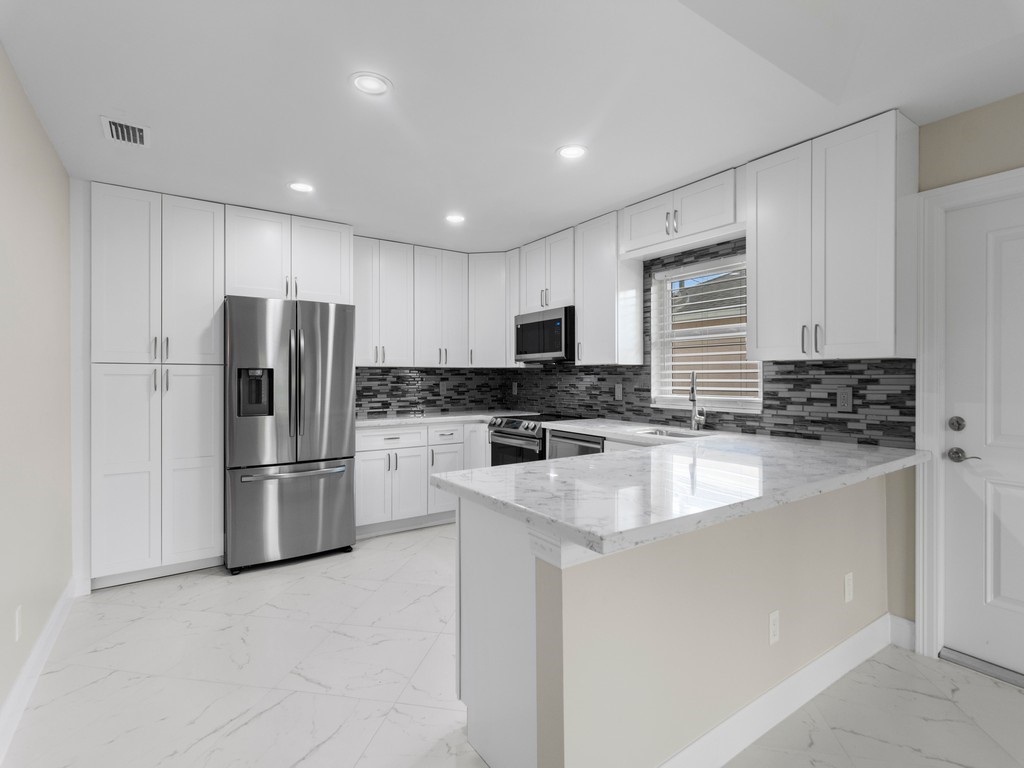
(532, 426)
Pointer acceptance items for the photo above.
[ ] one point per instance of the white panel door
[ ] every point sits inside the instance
(396, 304)
(596, 262)
(193, 463)
(647, 223)
(409, 483)
(366, 283)
(373, 486)
(444, 458)
(476, 451)
(533, 277)
(455, 308)
(257, 253)
(854, 240)
(779, 255)
(561, 269)
(985, 496)
(193, 281)
(488, 315)
(125, 275)
(125, 468)
(428, 337)
(705, 204)
(321, 261)
(512, 306)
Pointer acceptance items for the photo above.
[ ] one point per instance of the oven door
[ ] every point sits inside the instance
(514, 449)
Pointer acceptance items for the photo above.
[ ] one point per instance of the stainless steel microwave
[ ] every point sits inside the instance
(546, 336)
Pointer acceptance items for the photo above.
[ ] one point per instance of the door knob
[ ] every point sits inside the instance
(957, 455)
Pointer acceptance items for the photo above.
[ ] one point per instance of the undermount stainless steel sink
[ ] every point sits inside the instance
(669, 433)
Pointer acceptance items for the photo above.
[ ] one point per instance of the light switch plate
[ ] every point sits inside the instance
(618, 391)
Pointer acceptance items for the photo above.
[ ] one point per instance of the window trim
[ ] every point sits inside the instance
(681, 403)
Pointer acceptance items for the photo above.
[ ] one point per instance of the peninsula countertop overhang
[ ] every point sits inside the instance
(611, 502)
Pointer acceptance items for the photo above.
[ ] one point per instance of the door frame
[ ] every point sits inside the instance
(931, 391)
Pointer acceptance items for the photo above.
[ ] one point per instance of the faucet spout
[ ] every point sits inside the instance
(696, 419)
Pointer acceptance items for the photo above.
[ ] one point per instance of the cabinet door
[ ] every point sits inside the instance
(257, 253)
(646, 223)
(428, 342)
(512, 306)
(193, 281)
(193, 462)
(396, 304)
(779, 255)
(476, 452)
(455, 308)
(596, 261)
(366, 281)
(321, 261)
(373, 486)
(125, 468)
(854, 240)
(125, 275)
(488, 320)
(561, 269)
(409, 483)
(444, 458)
(704, 205)
(533, 277)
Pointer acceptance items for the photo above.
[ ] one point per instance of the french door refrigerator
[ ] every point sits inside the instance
(290, 429)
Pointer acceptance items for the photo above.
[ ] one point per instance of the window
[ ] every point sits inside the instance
(699, 323)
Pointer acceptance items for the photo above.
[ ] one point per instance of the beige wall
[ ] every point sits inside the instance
(35, 547)
(901, 492)
(664, 642)
(979, 142)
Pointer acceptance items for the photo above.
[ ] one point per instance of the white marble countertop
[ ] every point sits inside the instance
(452, 417)
(615, 501)
(628, 431)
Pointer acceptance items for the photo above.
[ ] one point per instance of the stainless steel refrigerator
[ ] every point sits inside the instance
(289, 429)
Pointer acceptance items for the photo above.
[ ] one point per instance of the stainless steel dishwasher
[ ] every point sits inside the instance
(561, 445)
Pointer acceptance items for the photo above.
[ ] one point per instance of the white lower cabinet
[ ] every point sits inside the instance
(476, 450)
(157, 466)
(444, 458)
(391, 484)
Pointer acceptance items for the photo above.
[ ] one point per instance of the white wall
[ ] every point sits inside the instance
(35, 520)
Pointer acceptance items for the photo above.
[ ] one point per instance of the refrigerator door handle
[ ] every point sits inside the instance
(290, 475)
(291, 383)
(300, 407)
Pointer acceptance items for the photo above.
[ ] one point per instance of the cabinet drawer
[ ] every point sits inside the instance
(384, 439)
(440, 435)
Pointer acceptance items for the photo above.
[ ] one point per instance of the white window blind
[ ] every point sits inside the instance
(699, 323)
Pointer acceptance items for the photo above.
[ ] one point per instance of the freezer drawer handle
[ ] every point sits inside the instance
(290, 475)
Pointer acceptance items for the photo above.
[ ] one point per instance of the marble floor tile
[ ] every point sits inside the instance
(807, 731)
(364, 563)
(433, 685)
(408, 542)
(319, 598)
(432, 564)
(361, 662)
(88, 623)
(422, 607)
(421, 737)
(763, 757)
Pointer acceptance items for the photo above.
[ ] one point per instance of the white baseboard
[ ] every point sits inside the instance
(719, 745)
(903, 633)
(18, 698)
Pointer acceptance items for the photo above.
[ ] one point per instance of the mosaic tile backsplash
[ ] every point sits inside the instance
(799, 396)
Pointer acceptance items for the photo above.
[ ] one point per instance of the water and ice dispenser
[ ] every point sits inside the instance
(255, 391)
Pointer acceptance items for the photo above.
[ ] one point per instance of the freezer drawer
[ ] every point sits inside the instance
(278, 512)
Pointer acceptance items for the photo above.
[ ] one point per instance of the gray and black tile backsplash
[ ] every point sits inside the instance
(799, 396)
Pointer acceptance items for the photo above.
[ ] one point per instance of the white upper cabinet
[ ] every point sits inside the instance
(512, 306)
(258, 253)
(321, 261)
(441, 310)
(384, 295)
(696, 214)
(193, 281)
(609, 297)
(830, 257)
(546, 273)
(125, 275)
(488, 315)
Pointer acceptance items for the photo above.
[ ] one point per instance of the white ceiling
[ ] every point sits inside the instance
(245, 96)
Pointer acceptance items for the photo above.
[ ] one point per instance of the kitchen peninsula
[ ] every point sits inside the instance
(615, 608)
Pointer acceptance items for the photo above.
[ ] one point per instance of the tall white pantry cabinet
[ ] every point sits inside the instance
(157, 381)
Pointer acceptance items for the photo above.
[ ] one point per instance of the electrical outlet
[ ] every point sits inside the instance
(618, 391)
(773, 628)
(844, 399)
(848, 587)
(17, 624)
(515, 387)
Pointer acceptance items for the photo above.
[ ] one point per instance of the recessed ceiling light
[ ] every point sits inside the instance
(371, 83)
(455, 218)
(572, 151)
(301, 186)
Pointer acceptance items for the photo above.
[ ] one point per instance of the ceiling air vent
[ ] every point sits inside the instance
(123, 133)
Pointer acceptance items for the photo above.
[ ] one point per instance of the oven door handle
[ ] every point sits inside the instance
(597, 444)
(516, 442)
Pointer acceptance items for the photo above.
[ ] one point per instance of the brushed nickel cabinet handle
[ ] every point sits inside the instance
(396, 461)
(803, 339)
(375, 354)
(167, 380)
(155, 348)
(817, 328)
(389, 463)
(295, 290)
(542, 297)
(667, 230)
(446, 355)
(154, 380)
(287, 286)
(579, 350)
(431, 457)
(167, 347)
(383, 354)
(471, 357)
(675, 221)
